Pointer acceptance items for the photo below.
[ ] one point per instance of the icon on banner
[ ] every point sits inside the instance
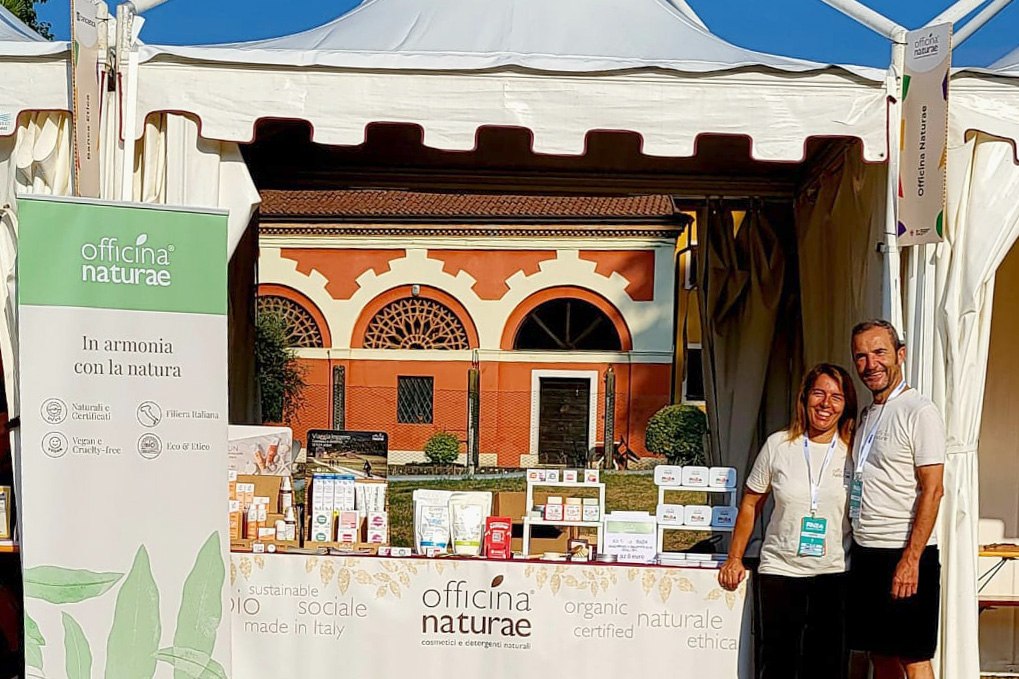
(149, 414)
(150, 446)
(53, 411)
(54, 444)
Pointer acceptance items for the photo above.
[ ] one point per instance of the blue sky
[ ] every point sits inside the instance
(798, 28)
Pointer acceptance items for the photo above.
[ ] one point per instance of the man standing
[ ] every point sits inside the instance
(897, 484)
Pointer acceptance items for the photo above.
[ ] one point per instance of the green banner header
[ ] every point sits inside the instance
(121, 256)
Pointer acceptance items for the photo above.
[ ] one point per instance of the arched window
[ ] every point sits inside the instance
(302, 330)
(415, 323)
(567, 325)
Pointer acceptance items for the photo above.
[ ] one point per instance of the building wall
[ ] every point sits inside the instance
(343, 281)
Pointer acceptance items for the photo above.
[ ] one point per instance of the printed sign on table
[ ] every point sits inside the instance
(122, 332)
(924, 143)
(396, 618)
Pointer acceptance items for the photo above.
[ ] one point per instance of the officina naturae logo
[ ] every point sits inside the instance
(108, 261)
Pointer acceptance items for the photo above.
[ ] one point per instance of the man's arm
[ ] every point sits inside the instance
(930, 478)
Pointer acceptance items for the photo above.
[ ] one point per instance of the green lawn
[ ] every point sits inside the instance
(634, 492)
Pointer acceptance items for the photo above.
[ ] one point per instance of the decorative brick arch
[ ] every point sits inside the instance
(516, 318)
(403, 292)
(273, 289)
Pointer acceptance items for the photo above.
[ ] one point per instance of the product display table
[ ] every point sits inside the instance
(368, 617)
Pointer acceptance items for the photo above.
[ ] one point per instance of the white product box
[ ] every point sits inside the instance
(343, 495)
(552, 475)
(535, 475)
(591, 475)
(553, 512)
(723, 517)
(573, 513)
(697, 516)
(346, 535)
(592, 510)
(695, 477)
(670, 515)
(722, 477)
(322, 525)
(668, 475)
(570, 476)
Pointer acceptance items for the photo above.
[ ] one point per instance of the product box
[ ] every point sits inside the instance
(535, 475)
(235, 520)
(346, 535)
(343, 495)
(245, 493)
(378, 527)
(573, 510)
(697, 516)
(554, 509)
(551, 476)
(347, 520)
(322, 528)
(263, 486)
(570, 476)
(695, 477)
(722, 477)
(498, 537)
(265, 534)
(591, 475)
(591, 509)
(668, 475)
(723, 517)
(513, 504)
(671, 515)
(232, 484)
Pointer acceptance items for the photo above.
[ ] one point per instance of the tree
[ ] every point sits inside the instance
(442, 448)
(678, 433)
(25, 10)
(280, 375)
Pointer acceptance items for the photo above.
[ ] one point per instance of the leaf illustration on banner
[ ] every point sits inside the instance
(259, 561)
(310, 564)
(440, 568)
(382, 577)
(528, 571)
(573, 582)
(389, 566)
(665, 588)
(594, 588)
(363, 578)
(191, 663)
(381, 592)
(343, 580)
(411, 567)
(714, 595)
(57, 585)
(326, 571)
(201, 603)
(496, 581)
(589, 574)
(554, 582)
(648, 581)
(395, 589)
(141, 240)
(246, 567)
(34, 642)
(684, 585)
(134, 636)
(233, 572)
(77, 654)
(404, 579)
(632, 574)
(730, 599)
(604, 585)
(541, 577)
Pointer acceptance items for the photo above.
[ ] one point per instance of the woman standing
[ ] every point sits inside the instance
(802, 576)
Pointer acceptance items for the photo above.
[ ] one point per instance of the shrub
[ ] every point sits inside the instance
(280, 375)
(677, 432)
(442, 448)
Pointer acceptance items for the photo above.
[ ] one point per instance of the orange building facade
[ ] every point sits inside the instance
(390, 297)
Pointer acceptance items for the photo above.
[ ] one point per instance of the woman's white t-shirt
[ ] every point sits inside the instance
(781, 469)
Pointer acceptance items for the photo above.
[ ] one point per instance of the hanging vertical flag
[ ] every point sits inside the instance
(86, 91)
(924, 138)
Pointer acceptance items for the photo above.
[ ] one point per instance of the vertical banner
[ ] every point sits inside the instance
(123, 334)
(922, 165)
(85, 89)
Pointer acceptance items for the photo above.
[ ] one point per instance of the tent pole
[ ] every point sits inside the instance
(869, 18)
(892, 298)
(974, 24)
(958, 11)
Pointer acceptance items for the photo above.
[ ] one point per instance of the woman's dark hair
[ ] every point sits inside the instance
(847, 422)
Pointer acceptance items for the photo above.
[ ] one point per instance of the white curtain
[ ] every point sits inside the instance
(174, 165)
(839, 221)
(982, 225)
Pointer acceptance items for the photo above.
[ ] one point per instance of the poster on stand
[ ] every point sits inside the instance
(306, 616)
(924, 143)
(123, 369)
(363, 454)
(86, 88)
(261, 450)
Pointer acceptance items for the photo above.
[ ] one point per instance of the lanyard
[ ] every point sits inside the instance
(869, 441)
(815, 488)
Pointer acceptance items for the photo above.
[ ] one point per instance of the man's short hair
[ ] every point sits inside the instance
(897, 342)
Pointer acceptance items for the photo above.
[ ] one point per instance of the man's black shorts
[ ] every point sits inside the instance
(900, 628)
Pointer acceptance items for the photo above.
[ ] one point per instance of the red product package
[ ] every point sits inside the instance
(498, 533)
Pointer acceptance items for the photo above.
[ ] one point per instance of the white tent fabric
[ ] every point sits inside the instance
(176, 166)
(18, 39)
(561, 36)
(558, 69)
(1009, 62)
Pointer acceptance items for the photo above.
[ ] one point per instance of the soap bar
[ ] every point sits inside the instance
(723, 517)
(668, 475)
(670, 515)
(695, 477)
(697, 516)
(722, 477)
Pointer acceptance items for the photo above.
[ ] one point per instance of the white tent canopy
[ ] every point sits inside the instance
(558, 69)
(17, 38)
